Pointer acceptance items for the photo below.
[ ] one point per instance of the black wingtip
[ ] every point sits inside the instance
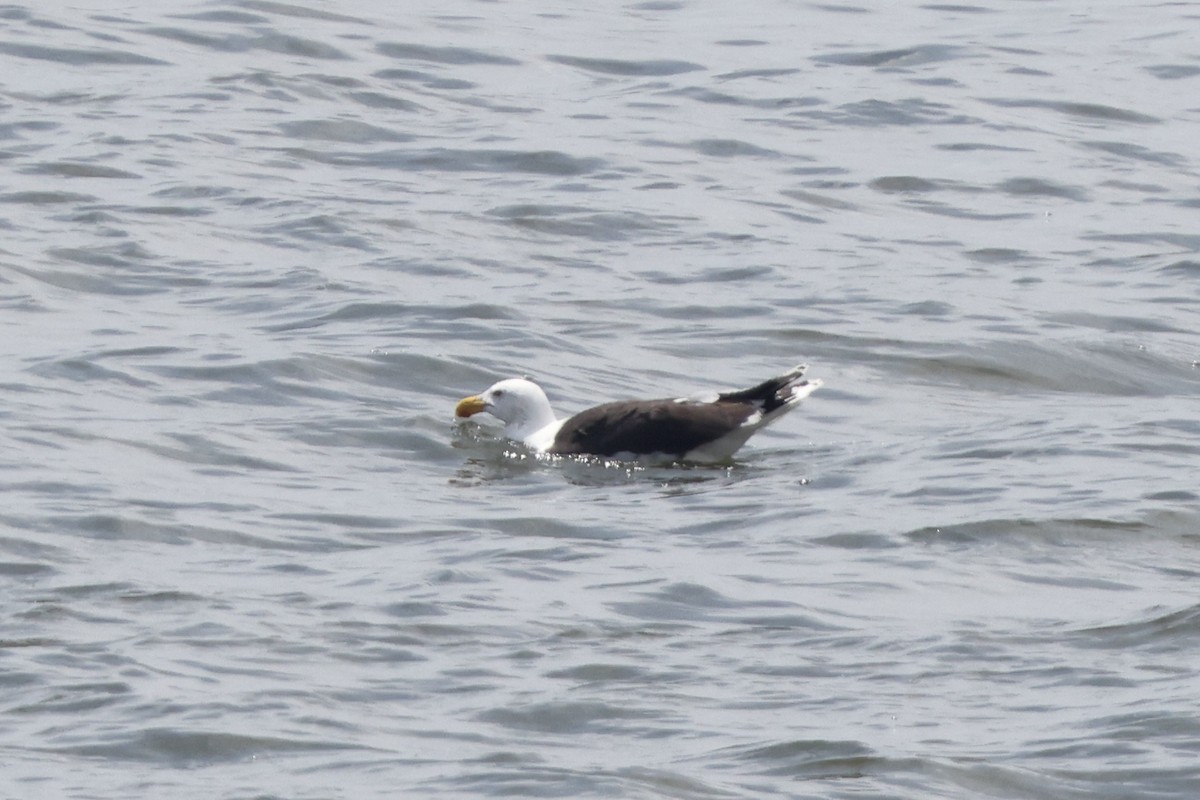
(773, 392)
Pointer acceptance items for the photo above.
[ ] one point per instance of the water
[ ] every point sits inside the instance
(253, 252)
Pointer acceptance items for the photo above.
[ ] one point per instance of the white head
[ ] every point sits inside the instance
(520, 404)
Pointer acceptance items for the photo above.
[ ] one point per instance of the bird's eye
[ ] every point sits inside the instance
(498, 393)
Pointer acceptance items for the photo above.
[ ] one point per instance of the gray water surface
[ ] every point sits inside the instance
(251, 253)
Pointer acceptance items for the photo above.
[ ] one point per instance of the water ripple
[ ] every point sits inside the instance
(254, 251)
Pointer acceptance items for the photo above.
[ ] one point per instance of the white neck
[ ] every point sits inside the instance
(530, 423)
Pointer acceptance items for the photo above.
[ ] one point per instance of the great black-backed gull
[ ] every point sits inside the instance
(704, 428)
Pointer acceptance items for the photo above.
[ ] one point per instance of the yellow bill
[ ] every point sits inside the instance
(469, 405)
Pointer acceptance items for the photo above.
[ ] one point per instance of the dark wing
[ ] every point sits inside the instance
(648, 426)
